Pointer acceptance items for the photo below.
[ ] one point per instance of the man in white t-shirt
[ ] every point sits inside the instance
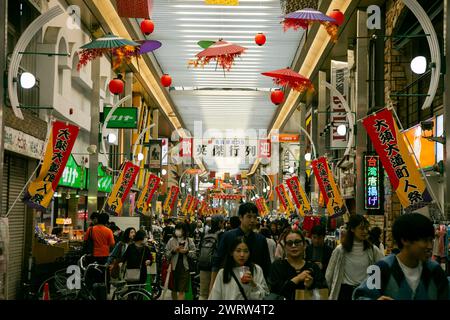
(409, 275)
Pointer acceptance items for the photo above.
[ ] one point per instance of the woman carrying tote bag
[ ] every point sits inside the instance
(137, 257)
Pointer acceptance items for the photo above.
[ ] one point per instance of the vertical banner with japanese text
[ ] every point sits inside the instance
(284, 198)
(171, 199)
(339, 80)
(262, 207)
(394, 154)
(121, 188)
(299, 196)
(147, 194)
(330, 191)
(59, 146)
(372, 192)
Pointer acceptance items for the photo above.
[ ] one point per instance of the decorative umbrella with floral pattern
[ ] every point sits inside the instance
(287, 77)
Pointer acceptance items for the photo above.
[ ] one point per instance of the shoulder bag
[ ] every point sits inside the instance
(88, 245)
(134, 275)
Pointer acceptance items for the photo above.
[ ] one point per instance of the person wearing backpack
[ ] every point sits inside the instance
(208, 248)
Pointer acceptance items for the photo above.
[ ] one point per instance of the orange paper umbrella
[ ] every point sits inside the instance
(222, 52)
(287, 77)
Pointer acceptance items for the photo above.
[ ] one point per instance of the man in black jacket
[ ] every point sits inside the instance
(318, 251)
(259, 251)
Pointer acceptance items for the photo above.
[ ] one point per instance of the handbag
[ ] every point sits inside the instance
(134, 275)
(115, 266)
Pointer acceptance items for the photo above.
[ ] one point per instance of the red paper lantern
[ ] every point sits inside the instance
(337, 15)
(166, 80)
(260, 39)
(116, 85)
(147, 26)
(277, 97)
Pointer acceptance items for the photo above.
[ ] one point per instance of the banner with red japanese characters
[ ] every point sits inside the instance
(59, 146)
(262, 207)
(121, 188)
(171, 199)
(284, 199)
(299, 196)
(394, 154)
(330, 191)
(147, 194)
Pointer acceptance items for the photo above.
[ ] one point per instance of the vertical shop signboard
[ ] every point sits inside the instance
(59, 146)
(339, 80)
(284, 198)
(299, 196)
(372, 182)
(147, 194)
(394, 154)
(171, 199)
(121, 188)
(330, 191)
(155, 154)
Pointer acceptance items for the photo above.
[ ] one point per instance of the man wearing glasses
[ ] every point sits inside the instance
(259, 251)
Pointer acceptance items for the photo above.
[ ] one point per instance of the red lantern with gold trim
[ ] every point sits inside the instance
(166, 80)
(260, 39)
(116, 85)
(277, 97)
(147, 26)
(337, 15)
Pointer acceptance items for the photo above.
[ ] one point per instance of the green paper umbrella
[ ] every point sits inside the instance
(205, 44)
(109, 41)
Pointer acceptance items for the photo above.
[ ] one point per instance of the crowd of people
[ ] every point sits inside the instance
(245, 258)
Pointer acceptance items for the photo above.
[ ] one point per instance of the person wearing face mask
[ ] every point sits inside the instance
(179, 248)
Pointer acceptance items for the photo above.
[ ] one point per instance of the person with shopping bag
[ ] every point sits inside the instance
(137, 257)
(178, 251)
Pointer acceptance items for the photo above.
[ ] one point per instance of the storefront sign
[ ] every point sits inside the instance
(22, 143)
(284, 198)
(74, 176)
(171, 199)
(122, 187)
(123, 117)
(59, 146)
(339, 80)
(155, 154)
(372, 182)
(247, 150)
(264, 149)
(286, 137)
(330, 191)
(400, 166)
(147, 194)
(299, 196)
(227, 196)
(186, 147)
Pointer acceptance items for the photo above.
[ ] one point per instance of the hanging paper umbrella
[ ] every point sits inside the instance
(287, 77)
(205, 44)
(222, 52)
(303, 18)
(147, 46)
(119, 47)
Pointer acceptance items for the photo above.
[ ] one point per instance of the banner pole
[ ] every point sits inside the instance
(417, 161)
(49, 130)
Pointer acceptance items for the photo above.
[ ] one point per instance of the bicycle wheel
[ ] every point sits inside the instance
(136, 295)
(57, 289)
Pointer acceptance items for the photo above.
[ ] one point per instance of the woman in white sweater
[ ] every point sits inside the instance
(348, 265)
(239, 279)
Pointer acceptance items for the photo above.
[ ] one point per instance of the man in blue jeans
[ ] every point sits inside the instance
(259, 251)
(410, 274)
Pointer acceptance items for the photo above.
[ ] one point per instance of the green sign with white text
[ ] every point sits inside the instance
(74, 176)
(123, 117)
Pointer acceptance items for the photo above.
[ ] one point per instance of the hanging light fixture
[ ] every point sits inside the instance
(419, 65)
(163, 172)
(308, 156)
(147, 26)
(342, 130)
(112, 138)
(166, 80)
(27, 80)
(260, 39)
(140, 156)
(116, 86)
(277, 97)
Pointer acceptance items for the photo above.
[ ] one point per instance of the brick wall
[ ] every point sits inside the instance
(30, 125)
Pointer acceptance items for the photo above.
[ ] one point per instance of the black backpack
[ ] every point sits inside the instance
(207, 251)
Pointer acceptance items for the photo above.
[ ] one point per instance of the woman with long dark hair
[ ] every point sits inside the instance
(240, 279)
(119, 250)
(349, 261)
(293, 273)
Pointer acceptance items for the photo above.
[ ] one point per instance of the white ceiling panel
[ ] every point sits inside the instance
(180, 24)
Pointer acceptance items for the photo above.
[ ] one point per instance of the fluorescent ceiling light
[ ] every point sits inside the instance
(219, 36)
(202, 6)
(221, 26)
(221, 31)
(223, 13)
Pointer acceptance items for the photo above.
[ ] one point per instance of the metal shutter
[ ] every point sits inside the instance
(15, 171)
